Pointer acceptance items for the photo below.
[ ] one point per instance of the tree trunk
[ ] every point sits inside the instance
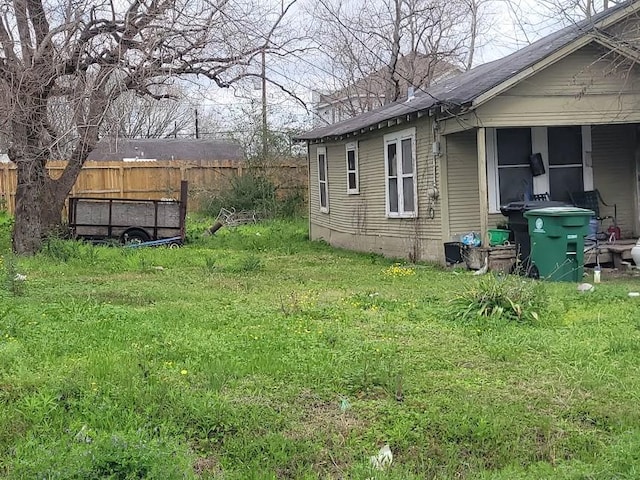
(39, 207)
(28, 228)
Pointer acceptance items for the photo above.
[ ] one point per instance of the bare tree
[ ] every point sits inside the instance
(133, 116)
(378, 49)
(530, 24)
(64, 64)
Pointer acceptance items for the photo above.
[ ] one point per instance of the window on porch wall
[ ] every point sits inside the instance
(514, 173)
(566, 153)
(565, 162)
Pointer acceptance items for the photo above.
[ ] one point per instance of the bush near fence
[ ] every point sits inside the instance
(161, 179)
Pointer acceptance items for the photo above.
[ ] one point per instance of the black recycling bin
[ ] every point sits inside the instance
(519, 225)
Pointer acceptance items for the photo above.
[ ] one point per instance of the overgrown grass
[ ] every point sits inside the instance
(255, 354)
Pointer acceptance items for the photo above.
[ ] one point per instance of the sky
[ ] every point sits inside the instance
(506, 33)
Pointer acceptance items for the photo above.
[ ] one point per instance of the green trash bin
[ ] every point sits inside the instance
(557, 242)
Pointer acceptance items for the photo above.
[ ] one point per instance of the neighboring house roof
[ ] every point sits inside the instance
(166, 149)
(465, 88)
(414, 69)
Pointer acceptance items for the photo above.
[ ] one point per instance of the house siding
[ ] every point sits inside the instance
(613, 149)
(359, 222)
(583, 88)
(462, 183)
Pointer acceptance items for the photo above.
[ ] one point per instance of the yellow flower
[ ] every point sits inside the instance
(183, 372)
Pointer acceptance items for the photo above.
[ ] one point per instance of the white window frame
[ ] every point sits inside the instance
(325, 182)
(352, 147)
(539, 144)
(397, 138)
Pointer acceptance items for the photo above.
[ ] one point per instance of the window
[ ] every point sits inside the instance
(400, 173)
(514, 172)
(565, 152)
(353, 182)
(322, 179)
(565, 162)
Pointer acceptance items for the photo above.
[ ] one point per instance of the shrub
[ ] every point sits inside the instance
(292, 205)
(508, 298)
(255, 192)
(247, 192)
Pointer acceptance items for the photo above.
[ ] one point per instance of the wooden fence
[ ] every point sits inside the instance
(159, 179)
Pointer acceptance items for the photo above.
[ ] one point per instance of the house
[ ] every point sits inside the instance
(414, 70)
(405, 178)
(154, 149)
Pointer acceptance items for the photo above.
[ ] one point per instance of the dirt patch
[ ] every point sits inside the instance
(332, 423)
(208, 466)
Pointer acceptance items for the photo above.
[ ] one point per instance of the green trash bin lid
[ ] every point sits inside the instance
(559, 212)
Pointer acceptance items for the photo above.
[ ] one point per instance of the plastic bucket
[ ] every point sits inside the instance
(498, 237)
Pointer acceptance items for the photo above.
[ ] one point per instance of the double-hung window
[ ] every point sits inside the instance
(353, 183)
(400, 173)
(323, 182)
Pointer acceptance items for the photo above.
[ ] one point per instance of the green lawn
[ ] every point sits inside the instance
(255, 354)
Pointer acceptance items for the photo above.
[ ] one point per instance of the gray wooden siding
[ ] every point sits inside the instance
(583, 88)
(614, 172)
(462, 183)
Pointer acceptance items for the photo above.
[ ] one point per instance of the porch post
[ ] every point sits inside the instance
(482, 185)
(636, 203)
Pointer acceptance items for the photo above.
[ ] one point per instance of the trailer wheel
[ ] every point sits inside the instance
(135, 235)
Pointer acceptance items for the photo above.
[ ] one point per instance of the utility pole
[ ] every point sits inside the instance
(265, 131)
(197, 130)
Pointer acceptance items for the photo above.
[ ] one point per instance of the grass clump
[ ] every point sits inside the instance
(508, 298)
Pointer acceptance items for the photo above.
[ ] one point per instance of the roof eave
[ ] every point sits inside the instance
(391, 122)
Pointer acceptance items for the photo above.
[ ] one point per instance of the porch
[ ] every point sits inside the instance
(489, 167)
(610, 253)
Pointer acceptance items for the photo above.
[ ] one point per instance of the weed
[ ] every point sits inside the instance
(371, 301)
(398, 270)
(210, 264)
(248, 263)
(14, 280)
(508, 298)
(6, 225)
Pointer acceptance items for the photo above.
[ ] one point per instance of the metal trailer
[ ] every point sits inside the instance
(129, 220)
